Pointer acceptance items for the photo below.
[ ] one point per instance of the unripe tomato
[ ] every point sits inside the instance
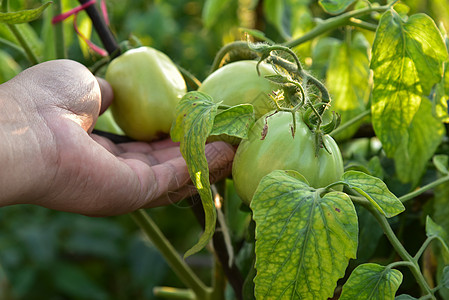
(256, 158)
(238, 83)
(147, 86)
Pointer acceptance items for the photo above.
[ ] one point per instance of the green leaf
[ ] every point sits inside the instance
(9, 67)
(235, 121)
(23, 16)
(335, 6)
(439, 98)
(441, 162)
(418, 144)
(433, 229)
(348, 81)
(303, 241)
(407, 62)
(212, 10)
(287, 16)
(375, 190)
(445, 280)
(195, 115)
(372, 281)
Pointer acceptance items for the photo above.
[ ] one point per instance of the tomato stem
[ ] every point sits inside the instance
(412, 262)
(59, 32)
(351, 122)
(421, 190)
(333, 23)
(178, 265)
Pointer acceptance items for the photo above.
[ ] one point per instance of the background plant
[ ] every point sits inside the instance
(402, 142)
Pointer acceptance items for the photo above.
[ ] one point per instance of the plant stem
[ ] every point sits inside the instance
(190, 79)
(238, 45)
(102, 30)
(424, 247)
(412, 263)
(400, 263)
(173, 293)
(421, 190)
(178, 265)
(362, 24)
(59, 32)
(351, 122)
(4, 7)
(6, 43)
(23, 42)
(332, 23)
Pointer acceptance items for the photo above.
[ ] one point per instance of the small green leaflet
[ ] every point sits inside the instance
(441, 162)
(235, 121)
(348, 80)
(445, 280)
(407, 62)
(23, 16)
(435, 230)
(303, 241)
(335, 6)
(372, 282)
(418, 144)
(194, 121)
(375, 190)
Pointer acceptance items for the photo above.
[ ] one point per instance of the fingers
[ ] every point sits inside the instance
(179, 186)
(64, 87)
(106, 94)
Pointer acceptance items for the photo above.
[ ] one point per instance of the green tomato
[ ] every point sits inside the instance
(147, 86)
(238, 83)
(256, 158)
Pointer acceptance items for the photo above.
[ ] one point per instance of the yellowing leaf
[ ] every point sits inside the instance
(303, 241)
(194, 121)
(372, 282)
(375, 190)
(407, 62)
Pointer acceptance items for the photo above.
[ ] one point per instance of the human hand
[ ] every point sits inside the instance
(49, 156)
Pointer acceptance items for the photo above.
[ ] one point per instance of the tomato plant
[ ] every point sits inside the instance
(147, 86)
(281, 150)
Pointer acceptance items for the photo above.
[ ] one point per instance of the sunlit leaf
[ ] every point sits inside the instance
(440, 97)
(195, 115)
(335, 6)
(407, 62)
(23, 16)
(303, 241)
(375, 190)
(348, 81)
(287, 16)
(372, 282)
(418, 144)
